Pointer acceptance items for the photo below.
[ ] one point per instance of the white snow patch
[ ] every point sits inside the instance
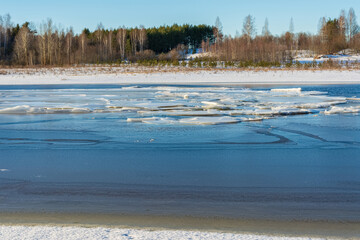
(88, 75)
(344, 56)
(198, 55)
(77, 233)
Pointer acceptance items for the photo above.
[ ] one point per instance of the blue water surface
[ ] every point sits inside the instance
(290, 167)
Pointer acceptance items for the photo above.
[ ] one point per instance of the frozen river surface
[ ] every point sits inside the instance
(251, 153)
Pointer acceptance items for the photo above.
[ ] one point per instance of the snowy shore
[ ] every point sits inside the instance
(72, 233)
(119, 75)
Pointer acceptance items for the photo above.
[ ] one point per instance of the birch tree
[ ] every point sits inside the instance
(1, 31)
(321, 28)
(121, 39)
(343, 25)
(265, 30)
(110, 46)
(99, 36)
(22, 46)
(218, 30)
(6, 29)
(291, 26)
(49, 28)
(69, 39)
(83, 45)
(142, 38)
(353, 26)
(41, 43)
(134, 38)
(249, 30)
(59, 36)
(218, 33)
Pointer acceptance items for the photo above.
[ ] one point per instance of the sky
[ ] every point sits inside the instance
(114, 13)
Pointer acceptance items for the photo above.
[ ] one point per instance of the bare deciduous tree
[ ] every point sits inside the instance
(1, 31)
(343, 24)
(134, 37)
(110, 39)
(99, 36)
(249, 30)
(69, 39)
(291, 26)
(83, 44)
(353, 26)
(142, 38)
(321, 25)
(6, 28)
(219, 30)
(22, 46)
(42, 43)
(49, 27)
(121, 39)
(265, 30)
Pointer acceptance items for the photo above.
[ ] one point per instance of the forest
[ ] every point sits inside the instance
(49, 45)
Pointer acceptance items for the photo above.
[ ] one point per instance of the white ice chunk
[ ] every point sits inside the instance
(256, 119)
(293, 90)
(208, 120)
(152, 120)
(107, 101)
(338, 110)
(23, 109)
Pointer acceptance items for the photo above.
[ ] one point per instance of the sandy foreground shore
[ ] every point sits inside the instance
(121, 75)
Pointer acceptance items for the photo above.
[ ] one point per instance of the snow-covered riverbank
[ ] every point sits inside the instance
(119, 75)
(72, 233)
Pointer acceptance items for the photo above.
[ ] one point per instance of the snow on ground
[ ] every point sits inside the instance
(117, 75)
(72, 233)
(198, 55)
(338, 58)
(347, 55)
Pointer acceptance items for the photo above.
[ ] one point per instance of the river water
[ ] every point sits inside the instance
(210, 151)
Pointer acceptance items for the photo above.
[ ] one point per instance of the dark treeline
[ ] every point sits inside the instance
(164, 39)
(48, 44)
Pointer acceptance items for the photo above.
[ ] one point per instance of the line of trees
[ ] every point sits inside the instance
(51, 45)
(333, 36)
(48, 44)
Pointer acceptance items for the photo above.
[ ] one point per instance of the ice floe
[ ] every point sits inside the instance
(186, 105)
(209, 120)
(292, 90)
(337, 110)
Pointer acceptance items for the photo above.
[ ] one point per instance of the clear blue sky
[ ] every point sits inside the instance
(114, 13)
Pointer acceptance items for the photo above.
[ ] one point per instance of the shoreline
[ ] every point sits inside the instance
(138, 75)
(70, 232)
(297, 229)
